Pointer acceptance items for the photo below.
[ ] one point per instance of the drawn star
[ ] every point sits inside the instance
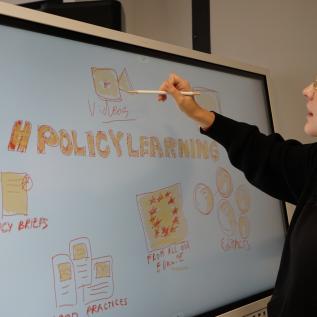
(153, 210)
(171, 201)
(152, 200)
(175, 211)
(159, 198)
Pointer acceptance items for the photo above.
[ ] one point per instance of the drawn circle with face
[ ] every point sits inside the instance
(203, 199)
(244, 227)
(243, 198)
(27, 183)
(224, 182)
(226, 218)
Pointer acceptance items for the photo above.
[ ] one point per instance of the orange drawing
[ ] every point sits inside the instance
(224, 182)
(108, 84)
(227, 218)
(108, 87)
(233, 218)
(203, 198)
(79, 278)
(102, 280)
(244, 227)
(162, 217)
(124, 81)
(64, 281)
(20, 137)
(243, 198)
(208, 99)
(15, 187)
(80, 252)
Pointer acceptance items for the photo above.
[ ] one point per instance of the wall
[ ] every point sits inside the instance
(280, 36)
(277, 35)
(164, 20)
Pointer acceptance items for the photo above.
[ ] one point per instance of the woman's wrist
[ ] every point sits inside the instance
(204, 118)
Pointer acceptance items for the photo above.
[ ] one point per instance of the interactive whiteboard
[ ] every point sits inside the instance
(113, 204)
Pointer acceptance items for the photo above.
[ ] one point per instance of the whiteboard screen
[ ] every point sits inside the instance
(113, 204)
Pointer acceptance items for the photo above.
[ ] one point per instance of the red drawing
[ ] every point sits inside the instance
(162, 217)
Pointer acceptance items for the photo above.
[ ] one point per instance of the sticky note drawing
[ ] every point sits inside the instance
(102, 269)
(65, 271)
(80, 251)
(162, 217)
(15, 187)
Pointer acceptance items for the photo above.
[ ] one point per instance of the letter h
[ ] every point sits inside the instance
(20, 136)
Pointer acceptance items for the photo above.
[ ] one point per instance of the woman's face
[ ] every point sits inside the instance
(310, 92)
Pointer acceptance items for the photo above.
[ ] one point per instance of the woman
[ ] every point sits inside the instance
(283, 169)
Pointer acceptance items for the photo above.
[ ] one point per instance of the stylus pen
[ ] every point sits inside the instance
(162, 92)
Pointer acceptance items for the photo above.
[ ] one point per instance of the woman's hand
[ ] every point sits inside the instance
(173, 86)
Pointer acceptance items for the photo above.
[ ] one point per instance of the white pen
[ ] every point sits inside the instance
(162, 92)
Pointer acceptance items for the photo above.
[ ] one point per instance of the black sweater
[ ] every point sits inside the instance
(285, 170)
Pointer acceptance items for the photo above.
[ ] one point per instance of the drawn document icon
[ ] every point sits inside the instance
(102, 280)
(80, 253)
(14, 194)
(64, 281)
